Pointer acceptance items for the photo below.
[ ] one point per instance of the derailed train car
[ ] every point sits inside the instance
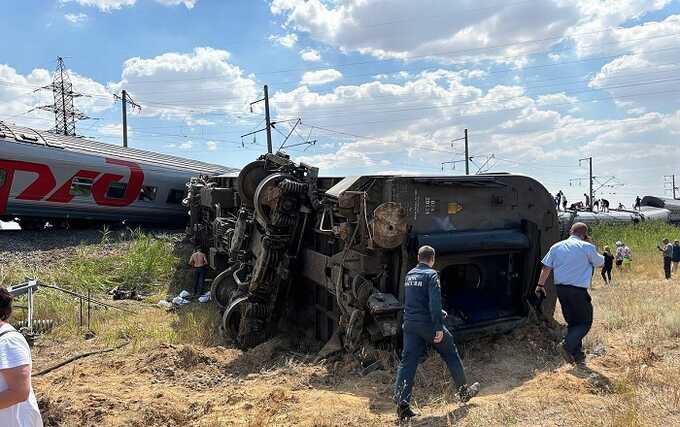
(332, 253)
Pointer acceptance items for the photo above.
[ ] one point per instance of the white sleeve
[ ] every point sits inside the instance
(14, 351)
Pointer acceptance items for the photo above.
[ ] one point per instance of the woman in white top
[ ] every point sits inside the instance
(18, 407)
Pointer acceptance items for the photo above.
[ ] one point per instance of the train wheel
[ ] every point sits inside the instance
(223, 287)
(231, 319)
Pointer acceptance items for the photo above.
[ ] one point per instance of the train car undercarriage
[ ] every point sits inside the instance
(330, 254)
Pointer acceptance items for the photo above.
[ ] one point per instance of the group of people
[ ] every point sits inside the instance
(598, 205)
(671, 256)
(571, 262)
(623, 258)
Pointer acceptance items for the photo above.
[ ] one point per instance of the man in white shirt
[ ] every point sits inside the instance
(18, 407)
(572, 262)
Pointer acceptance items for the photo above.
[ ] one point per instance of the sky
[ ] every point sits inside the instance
(378, 86)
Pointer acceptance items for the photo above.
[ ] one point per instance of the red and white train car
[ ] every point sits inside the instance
(46, 177)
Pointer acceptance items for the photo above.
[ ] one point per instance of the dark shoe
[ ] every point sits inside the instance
(467, 392)
(580, 359)
(568, 357)
(404, 412)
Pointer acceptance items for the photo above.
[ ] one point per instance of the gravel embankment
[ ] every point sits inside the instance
(33, 249)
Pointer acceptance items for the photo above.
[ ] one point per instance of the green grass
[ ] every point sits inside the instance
(138, 261)
(642, 238)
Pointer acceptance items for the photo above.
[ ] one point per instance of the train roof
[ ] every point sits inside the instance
(18, 134)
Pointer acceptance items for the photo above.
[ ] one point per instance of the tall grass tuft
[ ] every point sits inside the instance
(641, 238)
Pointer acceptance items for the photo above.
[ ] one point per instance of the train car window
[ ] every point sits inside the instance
(148, 193)
(3, 177)
(175, 197)
(81, 187)
(116, 190)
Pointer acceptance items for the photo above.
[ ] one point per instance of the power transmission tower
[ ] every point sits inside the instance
(269, 124)
(65, 113)
(669, 185)
(125, 99)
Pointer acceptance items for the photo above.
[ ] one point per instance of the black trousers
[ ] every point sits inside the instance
(199, 278)
(607, 274)
(667, 266)
(577, 310)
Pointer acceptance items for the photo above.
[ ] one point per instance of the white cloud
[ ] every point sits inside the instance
(189, 4)
(555, 98)
(187, 85)
(408, 126)
(310, 55)
(75, 18)
(104, 5)
(320, 77)
(114, 130)
(188, 145)
(287, 40)
(398, 29)
(211, 145)
(650, 67)
(109, 5)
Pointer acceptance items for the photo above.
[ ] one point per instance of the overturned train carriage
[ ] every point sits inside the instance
(333, 252)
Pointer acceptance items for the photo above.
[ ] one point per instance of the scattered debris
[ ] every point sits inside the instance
(204, 298)
(78, 356)
(165, 304)
(118, 294)
(180, 301)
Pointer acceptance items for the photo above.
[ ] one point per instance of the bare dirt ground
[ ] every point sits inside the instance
(524, 383)
(173, 372)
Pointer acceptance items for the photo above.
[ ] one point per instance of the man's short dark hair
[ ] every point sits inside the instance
(426, 253)
(5, 304)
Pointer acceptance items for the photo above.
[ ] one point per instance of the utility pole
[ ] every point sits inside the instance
(267, 119)
(601, 181)
(269, 125)
(124, 107)
(467, 154)
(124, 100)
(590, 179)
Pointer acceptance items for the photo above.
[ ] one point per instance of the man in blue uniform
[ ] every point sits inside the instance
(423, 325)
(572, 262)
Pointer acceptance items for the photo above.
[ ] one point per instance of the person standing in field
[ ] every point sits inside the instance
(627, 258)
(18, 406)
(618, 255)
(667, 250)
(676, 256)
(608, 266)
(572, 262)
(424, 325)
(200, 264)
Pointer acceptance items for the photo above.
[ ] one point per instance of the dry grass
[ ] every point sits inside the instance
(633, 380)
